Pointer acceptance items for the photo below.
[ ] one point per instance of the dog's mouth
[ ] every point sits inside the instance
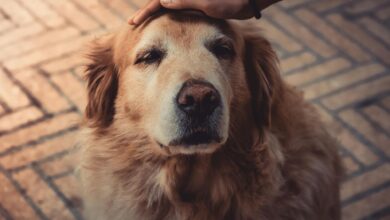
(193, 139)
(193, 134)
(200, 137)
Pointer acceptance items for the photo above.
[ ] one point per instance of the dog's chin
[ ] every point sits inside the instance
(196, 143)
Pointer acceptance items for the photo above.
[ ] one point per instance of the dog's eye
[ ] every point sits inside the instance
(151, 56)
(223, 51)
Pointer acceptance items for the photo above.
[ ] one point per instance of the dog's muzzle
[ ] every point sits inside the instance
(198, 106)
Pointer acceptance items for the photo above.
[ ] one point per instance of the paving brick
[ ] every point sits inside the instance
(5, 25)
(321, 70)
(64, 164)
(37, 42)
(101, 13)
(41, 10)
(332, 35)
(39, 152)
(42, 90)
(73, 88)
(384, 13)
(11, 93)
(375, 136)
(18, 34)
(64, 63)
(357, 148)
(363, 38)
(80, 72)
(328, 5)
(358, 93)
(350, 165)
(278, 37)
(19, 117)
(370, 204)
(17, 12)
(295, 3)
(296, 29)
(14, 203)
(364, 6)
(295, 62)
(376, 29)
(379, 116)
(341, 81)
(69, 185)
(123, 8)
(139, 3)
(43, 196)
(366, 181)
(48, 53)
(331, 124)
(348, 140)
(386, 102)
(39, 130)
(71, 12)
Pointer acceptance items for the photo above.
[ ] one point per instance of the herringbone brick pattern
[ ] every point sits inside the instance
(336, 51)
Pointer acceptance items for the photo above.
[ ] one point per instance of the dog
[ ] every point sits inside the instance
(188, 118)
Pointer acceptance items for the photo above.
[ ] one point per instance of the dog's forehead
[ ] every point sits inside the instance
(181, 28)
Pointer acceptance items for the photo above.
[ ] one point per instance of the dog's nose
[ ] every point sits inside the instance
(198, 98)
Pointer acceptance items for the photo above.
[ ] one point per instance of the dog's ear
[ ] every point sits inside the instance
(102, 83)
(263, 77)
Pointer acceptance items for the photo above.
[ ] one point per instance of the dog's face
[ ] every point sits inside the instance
(176, 79)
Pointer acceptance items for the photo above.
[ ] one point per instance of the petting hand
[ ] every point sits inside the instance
(226, 9)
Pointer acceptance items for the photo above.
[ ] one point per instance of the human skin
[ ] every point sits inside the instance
(224, 9)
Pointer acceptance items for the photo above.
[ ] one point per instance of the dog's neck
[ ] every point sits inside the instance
(186, 182)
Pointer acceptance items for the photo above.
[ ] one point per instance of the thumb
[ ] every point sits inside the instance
(180, 4)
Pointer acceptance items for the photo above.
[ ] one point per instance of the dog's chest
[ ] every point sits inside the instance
(190, 190)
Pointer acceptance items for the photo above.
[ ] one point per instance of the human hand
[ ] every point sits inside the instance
(237, 9)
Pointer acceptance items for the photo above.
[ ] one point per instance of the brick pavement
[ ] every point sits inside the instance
(336, 51)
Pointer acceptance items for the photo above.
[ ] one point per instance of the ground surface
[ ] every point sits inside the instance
(337, 52)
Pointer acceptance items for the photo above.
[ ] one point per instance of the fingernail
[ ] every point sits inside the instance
(130, 20)
(134, 19)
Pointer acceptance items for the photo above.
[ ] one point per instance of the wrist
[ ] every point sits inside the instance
(255, 8)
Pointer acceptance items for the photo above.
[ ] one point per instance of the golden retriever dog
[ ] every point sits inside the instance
(188, 119)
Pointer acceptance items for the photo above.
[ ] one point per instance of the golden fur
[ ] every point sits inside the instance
(278, 162)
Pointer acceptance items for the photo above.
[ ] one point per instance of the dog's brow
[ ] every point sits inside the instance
(148, 45)
(219, 38)
(148, 39)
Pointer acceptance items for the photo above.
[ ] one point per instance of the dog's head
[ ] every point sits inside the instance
(179, 79)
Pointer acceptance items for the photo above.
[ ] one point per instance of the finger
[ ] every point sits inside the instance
(130, 20)
(145, 12)
(181, 4)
